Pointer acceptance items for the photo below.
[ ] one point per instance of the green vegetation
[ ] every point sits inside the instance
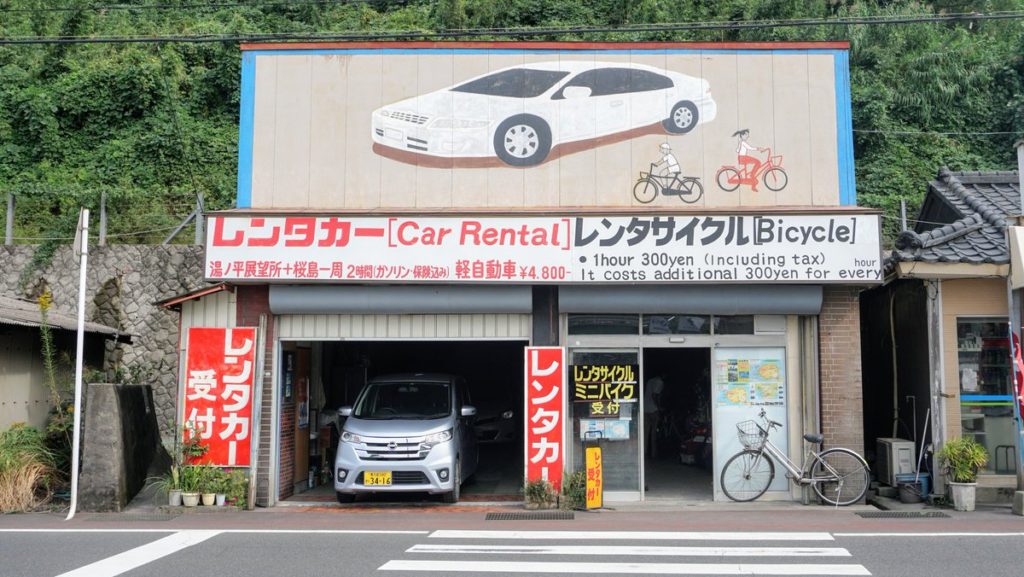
(150, 124)
(27, 469)
(962, 459)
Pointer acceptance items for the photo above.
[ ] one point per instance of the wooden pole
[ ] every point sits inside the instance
(9, 235)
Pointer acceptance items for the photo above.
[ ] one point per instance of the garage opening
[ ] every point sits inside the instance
(321, 376)
(678, 462)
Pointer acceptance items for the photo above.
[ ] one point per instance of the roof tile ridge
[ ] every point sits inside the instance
(990, 214)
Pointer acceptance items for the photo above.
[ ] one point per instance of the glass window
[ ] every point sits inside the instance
(677, 324)
(595, 324)
(986, 403)
(514, 83)
(734, 325)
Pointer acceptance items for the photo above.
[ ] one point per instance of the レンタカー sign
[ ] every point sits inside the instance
(820, 248)
(220, 370)
(545, 407)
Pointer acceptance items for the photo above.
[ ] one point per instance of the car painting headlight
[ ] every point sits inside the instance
(437, 438)
(459, 123)
(347, 437)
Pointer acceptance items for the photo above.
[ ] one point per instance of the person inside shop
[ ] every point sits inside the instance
(652, 400)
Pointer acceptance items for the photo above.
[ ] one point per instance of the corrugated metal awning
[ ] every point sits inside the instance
(27, 314)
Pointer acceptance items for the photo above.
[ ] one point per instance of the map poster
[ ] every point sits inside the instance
(750, 382)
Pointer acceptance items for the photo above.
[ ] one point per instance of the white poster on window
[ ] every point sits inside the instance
(745, 381)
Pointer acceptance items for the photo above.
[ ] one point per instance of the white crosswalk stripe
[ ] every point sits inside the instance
(491, 557)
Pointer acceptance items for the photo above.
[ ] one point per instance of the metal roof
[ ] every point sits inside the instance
(962, 220)
(20, 312)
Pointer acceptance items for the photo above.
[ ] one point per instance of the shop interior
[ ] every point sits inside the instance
(337, 371)
(678, 462)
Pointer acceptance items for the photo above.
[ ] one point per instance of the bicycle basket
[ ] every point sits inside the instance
(775, 160)
(751, 434)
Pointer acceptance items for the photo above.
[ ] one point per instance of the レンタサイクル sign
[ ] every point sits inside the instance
(219, 375)
(790, 249)
(545, 408)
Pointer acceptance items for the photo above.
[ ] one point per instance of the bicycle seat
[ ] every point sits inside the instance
(816, 439)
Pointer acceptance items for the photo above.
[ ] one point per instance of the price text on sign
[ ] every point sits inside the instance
(545, 408)
(819, 248)
(604, 382)
(219, 377)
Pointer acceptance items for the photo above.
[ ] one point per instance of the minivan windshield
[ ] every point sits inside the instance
(403, 400)
(514, 83)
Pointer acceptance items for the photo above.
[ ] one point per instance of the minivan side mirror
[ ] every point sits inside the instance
(344, 411)
(468, 411)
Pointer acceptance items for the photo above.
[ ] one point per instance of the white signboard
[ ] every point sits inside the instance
(836, 248)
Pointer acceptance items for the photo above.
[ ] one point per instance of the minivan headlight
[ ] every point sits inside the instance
(437, 438)
(347, 437)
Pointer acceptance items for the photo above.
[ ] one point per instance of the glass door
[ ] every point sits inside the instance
(606, 410)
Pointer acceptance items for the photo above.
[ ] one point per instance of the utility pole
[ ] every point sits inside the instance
(9, 235)
(103, 219)
(82, 250)
(200, 219)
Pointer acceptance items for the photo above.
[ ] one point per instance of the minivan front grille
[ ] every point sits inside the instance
(405, 116)
(402, 478)
(394, 449)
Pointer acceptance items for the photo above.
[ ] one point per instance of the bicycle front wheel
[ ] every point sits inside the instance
(692, 190)
(645, 191)
(746, 475)
(840, 477)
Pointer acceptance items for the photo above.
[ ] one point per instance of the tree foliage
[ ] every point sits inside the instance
(152, 124)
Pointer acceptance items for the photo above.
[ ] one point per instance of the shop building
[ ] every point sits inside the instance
(444, 207)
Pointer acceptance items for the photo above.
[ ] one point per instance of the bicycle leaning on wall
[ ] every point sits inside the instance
(839, 476)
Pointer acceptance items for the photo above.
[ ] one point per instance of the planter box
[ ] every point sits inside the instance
(963, 495)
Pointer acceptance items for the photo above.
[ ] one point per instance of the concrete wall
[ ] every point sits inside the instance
(120, 440)
(123, 283)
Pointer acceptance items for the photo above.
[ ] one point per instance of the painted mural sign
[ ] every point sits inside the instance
(544, 414)
(529, 124)
(220, 371)
(818, 248)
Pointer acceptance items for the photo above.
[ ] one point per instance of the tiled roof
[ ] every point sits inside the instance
(975, 206)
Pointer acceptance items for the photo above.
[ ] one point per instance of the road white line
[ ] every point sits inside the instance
(632, 535)
(640, 550)
(264, 531)
(1008, 534)
(443, 567)
(139, 556)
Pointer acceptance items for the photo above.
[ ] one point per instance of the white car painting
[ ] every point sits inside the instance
(519, 114)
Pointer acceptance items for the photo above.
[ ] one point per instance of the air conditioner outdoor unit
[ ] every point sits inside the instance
(894, 457)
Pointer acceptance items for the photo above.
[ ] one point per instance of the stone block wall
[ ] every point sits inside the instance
(842, 388)
(123, 283)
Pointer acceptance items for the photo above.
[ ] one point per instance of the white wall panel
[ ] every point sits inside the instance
(493, 326)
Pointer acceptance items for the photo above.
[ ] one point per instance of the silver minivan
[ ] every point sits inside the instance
(407, 433)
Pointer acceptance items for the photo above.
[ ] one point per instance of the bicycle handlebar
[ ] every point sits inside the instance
(770, 422)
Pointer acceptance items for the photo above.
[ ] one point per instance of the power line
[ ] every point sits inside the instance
(515, 32)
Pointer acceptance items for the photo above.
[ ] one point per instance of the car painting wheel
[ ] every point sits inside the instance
(692, 190)
(453, 496)
(682, 118)
(346, 497)
(728, 179)
(775, 179)
(645, 191)
(522, 140)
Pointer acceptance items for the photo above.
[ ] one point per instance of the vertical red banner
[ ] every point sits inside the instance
(220, 370)
(545, 414)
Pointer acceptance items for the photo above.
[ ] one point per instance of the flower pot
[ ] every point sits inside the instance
(963, 495)
(209, 499)
(221, 498)
(174, 497)
(189, 499)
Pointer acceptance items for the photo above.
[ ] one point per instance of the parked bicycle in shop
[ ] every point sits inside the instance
(839, 476)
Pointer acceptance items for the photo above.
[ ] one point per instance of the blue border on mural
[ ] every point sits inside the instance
(246, 126)
(844, 114)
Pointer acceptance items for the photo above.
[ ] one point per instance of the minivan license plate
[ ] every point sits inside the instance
(377, 478)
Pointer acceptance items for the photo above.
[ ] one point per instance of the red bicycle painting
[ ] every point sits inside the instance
(770, 172)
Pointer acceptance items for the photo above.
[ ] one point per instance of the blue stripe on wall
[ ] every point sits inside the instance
(243, 198)
(844, 129)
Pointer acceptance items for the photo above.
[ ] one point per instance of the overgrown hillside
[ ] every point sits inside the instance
(150, 123)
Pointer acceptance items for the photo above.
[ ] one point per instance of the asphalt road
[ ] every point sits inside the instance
(417, 543)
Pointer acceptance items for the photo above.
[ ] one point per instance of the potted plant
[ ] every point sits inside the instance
(220, 487)
(171, 484)
(191, 480)
(208, 486)
(962, 459)
(574, 491)
(237, 488)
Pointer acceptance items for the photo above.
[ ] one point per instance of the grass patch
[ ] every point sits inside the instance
(27, 473)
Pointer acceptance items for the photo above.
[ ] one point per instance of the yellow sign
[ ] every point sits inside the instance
(374, 478)
(595, 479)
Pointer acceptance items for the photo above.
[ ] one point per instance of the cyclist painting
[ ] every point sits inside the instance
(668, 163)
(745, 159)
